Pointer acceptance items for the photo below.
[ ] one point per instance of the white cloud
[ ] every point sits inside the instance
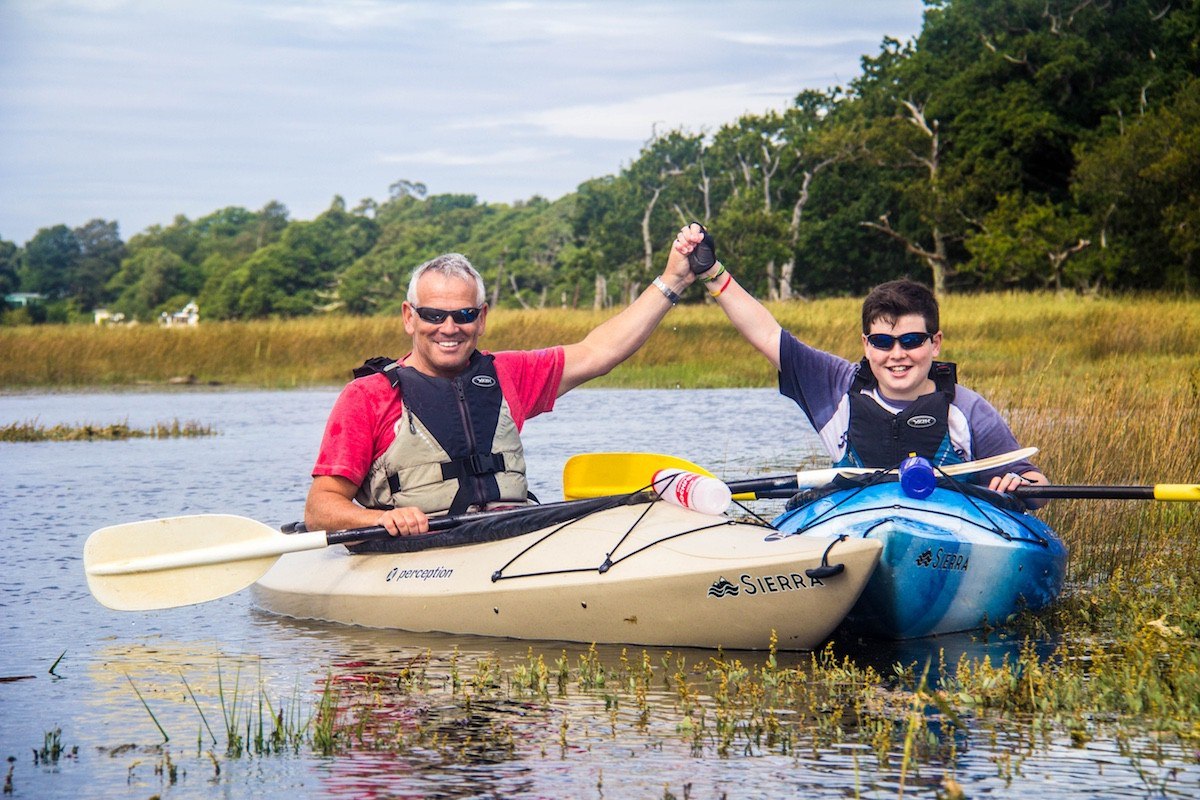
(695, 108)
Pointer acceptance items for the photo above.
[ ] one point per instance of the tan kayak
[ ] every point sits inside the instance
(648, 574)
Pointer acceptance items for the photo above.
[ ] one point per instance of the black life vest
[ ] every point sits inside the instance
(456, 445)
(879, 438)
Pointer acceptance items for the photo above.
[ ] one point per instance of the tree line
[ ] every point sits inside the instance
(1032, 144)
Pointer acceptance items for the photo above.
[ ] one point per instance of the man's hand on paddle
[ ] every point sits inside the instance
(405, 521)
(330, 506)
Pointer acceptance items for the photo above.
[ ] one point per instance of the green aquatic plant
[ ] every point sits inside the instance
(31, 431)
(1131, 652)
(52, 748)
(146, 706)
(326, 735)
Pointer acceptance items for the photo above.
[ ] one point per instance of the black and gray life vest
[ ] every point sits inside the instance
(877, 437)
(456, 446)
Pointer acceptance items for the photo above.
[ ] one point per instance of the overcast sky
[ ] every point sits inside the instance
(138, 110)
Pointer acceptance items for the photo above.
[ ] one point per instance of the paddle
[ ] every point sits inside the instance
(602, 474)
(1181, 492)
(597, 474)
(178, 561)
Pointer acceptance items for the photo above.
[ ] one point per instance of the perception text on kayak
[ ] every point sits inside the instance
(397, 574)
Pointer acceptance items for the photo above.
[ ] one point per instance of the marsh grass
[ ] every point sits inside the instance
(254, 725)
(994, 337)
(1131, 665)
(32, 431)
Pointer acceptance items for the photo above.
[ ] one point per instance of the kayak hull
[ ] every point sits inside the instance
(949, 563)
(644, 574)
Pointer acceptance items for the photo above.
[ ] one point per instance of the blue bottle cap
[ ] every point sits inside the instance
(917, 477)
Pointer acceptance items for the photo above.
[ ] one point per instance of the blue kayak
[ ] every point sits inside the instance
(959, 559)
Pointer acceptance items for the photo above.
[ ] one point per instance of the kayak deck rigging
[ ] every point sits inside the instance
(565, 517)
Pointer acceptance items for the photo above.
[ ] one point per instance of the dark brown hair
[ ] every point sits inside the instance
(894, 299)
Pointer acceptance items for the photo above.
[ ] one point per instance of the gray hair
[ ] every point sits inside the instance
(448, 265)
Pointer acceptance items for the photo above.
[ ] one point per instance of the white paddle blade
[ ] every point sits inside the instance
(991, 462)
(178, 561)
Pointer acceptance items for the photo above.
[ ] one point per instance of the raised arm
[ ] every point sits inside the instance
(749, 317)
(619, 337)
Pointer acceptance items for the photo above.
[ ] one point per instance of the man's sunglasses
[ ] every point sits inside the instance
(436, 316)
(908, 341)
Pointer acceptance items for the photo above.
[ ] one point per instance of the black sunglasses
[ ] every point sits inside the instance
(436, 316)
(908, 341)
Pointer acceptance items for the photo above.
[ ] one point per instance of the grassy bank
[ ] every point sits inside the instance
(995, 338)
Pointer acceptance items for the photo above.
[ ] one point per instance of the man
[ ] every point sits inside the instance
(897, 400)
(440, 430)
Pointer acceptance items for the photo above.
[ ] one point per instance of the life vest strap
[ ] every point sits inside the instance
(388, 367)
(474, 464)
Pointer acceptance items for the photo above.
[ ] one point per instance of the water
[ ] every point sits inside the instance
(114, 666)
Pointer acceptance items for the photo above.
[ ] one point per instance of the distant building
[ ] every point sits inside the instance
(22, 299)
(103, 316)
(188, 315)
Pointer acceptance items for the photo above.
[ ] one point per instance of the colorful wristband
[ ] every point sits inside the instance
(666, 290)
(724, 286)
(720, 271)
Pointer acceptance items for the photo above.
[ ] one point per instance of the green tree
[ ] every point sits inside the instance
(101, 251)
(9, 258)
(1141, 184)
(48, 261)
(1026, 243)
(607, 230)
(146, 281)
(296, 275)
(992, 99)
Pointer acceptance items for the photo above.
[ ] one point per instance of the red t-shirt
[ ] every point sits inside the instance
(362, 424)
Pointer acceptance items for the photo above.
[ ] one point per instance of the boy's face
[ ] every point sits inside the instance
(902, 374)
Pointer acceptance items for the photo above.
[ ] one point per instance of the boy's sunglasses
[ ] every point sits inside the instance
(436, 316)
(908, 341)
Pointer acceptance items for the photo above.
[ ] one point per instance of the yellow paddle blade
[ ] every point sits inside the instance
(603, 474)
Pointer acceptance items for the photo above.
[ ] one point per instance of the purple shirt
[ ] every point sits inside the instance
(819, 383)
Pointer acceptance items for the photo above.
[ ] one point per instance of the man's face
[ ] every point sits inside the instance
(903, 374)
(443, 350)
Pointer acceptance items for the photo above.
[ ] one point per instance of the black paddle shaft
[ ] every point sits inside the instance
(1087, 492)
(577, 507)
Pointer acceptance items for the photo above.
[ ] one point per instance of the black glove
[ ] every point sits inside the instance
(704, 256)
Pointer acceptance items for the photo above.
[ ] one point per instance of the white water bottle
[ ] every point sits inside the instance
(690, 490)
